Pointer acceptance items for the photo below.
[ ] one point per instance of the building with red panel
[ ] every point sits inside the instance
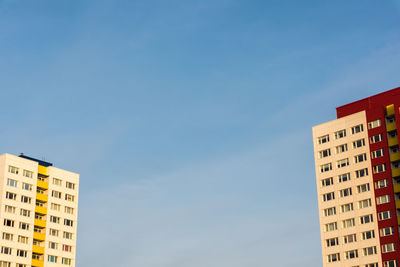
(357, 162)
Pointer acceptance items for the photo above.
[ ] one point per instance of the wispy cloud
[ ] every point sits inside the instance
(212, 214)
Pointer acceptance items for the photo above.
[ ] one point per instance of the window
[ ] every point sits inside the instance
(376, 138)
(25, 212)
(351, 254)
(347, 207)
(384, 215)
(69, 197)
(363, 188)
(6, 250)
(334, 257)
(5, 264)
(53, 245)
(23, 226)
(327, 181)
(8, 222)
(344, 177)
(360, 158)
(366, 219)
(67, 248)
(379, 168)
(330, 211)
(371, 265)
(357, 129)
(342, 163)
(388, 247)
(362, 173)
(326, 167)
(377, 153)
(40, 191)
(8, 236)
(323, 139)
(328, 196)
(66, 261)
(39, 217)
(13, 169)
(345, 192)
(368, 235)
(55, 206)
(28, 174)
(10, 195)
(68, 222)
(72, 185)
(348, 223)
(341, 148)
(386, 231)
(56, 181)
(54, 219)
(350, 238)
(374, 124)
(322, 154)
(22, 253)
(359, 143)
(25, 199)
(383, 199)
(69, 210)
(331, 227)
(67, 235)
(340, 134)
(9, 209)
(53, 232)
(381, 183)
(392, 263)
(55, 194)
(51, 258)
(27, 187)
(369, 251)
(364, 203)
(23, 239)
(11, 182)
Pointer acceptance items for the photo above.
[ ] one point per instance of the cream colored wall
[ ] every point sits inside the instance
(5, 161)
(330, 128)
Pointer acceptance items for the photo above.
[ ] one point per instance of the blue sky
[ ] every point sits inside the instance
(190, 121)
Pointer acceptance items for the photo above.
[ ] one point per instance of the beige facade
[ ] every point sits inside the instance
(38, 213)
(347, 208)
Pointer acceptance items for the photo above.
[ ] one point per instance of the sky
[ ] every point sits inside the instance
(190, 121)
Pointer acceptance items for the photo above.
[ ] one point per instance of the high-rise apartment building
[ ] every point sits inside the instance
(357, 161)
(38, 213)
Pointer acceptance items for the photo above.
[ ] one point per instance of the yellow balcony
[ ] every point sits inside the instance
(396, 188)
(393, 141)
(395, 156)
(390, 110)
(42, 197)
(38, 250)
(42, 170)
(39, 236)
(37, 263)
(391, 126)
(397, 204)
(40, 223)
(41, 210)
(398, 220)
(42, 184)
(395, 172)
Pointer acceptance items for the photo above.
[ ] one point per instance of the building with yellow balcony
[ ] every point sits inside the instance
(38, 213)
